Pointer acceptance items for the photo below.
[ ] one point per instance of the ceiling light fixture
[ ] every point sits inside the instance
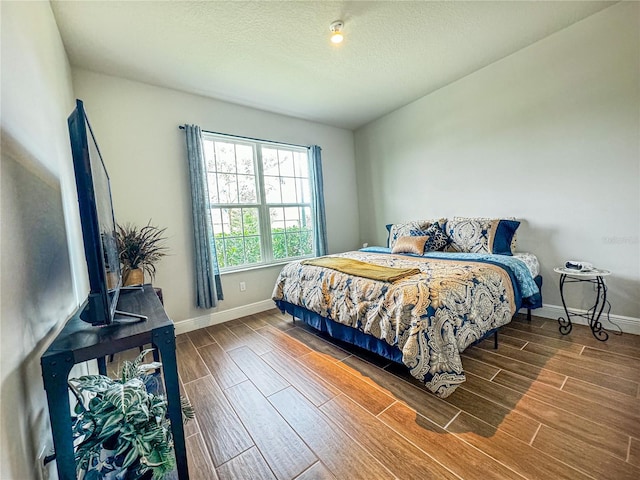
(336, 31)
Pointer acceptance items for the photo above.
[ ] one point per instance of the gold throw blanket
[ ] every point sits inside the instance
(362, 269)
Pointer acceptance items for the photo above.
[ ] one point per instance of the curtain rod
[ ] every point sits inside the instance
(181, 127)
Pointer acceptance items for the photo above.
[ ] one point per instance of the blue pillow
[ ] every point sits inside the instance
(500, 236)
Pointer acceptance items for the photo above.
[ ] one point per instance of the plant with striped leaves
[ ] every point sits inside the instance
(125, 417)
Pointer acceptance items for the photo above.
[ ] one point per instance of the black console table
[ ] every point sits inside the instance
(79, 342)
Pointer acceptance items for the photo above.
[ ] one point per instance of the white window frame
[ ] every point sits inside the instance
(264, 222)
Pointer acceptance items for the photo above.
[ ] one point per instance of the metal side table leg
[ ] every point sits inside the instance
(565, 325)
(601, 300)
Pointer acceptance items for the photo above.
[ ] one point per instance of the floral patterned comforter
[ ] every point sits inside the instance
(431, 317)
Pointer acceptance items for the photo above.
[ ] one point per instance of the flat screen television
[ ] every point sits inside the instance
(97, 220)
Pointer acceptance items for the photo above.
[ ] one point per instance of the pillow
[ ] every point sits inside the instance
(397, 230)
(437, 239)
(501, 235)
(411, 244)
(482, 235)
(514, 242)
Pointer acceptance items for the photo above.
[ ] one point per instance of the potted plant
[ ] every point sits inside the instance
(139, 249)
(122, 425)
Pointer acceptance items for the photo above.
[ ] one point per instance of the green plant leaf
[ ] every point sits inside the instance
(132, 456)
(93, 383)
(113, 420)
(188, 412)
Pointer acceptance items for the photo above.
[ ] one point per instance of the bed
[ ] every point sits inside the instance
(424, 319)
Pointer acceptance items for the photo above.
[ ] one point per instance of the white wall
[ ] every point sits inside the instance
(42, 271)
(136, 126)
(550, 134)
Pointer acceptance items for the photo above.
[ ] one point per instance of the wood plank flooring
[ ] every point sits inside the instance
(276, 400)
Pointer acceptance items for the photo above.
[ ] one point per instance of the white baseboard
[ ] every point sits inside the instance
(191, 324)
(627, 324)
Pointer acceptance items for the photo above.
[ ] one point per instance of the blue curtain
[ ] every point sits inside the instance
(317, 203)
(208, 283)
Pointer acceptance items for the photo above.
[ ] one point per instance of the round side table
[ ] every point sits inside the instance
(595, 276)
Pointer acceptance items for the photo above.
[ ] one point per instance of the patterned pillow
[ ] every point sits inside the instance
(482, 235)
(514, 241)
(437, 239)
(415, 228)
(413, 244)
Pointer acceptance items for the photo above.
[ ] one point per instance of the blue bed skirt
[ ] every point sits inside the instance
(368, 342)
(342, 332)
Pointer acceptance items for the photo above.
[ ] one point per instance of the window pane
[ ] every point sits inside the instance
(244, 158)
(276, 216)
(301, 163)
(270, 161)
(234, 248)
(292, 218)
(250, 221)
(293, 244)
(220, 251)
(216, 219)
(279, 246)
(306, 243)
(288, 185)
(252, 249)
(303, 190)
(225, 157)
(306, 218)
(228, 188)
(208, 148)
(286, 163)
(212, 185)
(247, 192)
(233, 226)
(272, 189)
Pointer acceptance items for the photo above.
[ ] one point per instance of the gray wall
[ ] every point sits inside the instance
(549, 134)
(42, 274)
(137, 129)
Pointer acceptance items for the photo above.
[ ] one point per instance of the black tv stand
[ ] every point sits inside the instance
(79, 342)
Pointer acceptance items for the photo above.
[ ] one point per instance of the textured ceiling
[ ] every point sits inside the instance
(277, 56)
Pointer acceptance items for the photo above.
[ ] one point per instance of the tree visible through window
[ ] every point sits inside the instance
(260, 199)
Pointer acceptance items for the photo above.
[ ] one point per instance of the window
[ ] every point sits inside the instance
(260, 198)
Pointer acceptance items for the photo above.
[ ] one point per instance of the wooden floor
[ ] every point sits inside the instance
(275, 400)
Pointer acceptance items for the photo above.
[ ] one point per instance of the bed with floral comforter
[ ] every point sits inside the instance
(424, 320)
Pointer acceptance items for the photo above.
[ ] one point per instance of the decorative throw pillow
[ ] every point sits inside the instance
(437, 239)
(411, 244)
(481, 235)
(514, 241)
(397, 230)
(501, 236)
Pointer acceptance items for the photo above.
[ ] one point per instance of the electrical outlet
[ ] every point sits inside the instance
(243, 286)
(365, 245)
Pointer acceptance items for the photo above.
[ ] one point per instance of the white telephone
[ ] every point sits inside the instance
(578, 266)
